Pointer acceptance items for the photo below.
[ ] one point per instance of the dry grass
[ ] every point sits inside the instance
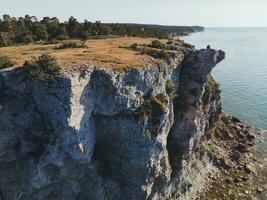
(105, 52)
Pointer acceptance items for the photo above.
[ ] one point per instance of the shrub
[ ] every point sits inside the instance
(166, 55)
(157, 44)
(210, 87)
(134, 46)
(5, 62)
(170, 89)
(152, 105)
(144, 110)
(43, 68)
(71, 45)
(156, 53)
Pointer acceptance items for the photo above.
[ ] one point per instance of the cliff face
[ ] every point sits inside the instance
(101, 134)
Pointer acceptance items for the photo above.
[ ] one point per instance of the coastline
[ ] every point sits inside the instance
(242, 74)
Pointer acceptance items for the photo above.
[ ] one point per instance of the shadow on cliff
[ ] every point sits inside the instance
(31, 112)
(116, 133)
(97, 144)
(193, 79)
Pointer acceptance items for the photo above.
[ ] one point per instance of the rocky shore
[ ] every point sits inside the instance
(240, 159)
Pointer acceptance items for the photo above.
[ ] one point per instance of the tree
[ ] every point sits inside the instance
(5, 39)
(28, 29)
(39, 31)
(73, 28)
(23, 36)
(61, 32)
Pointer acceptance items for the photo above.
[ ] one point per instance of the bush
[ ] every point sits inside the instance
(166, 55)
(170, 89)
(43, 68)
(134, 46)
(5, 62)
(153, 105)
(157, 44)
(144, 110)
(211, 87)
(71, 45)
(156, 53)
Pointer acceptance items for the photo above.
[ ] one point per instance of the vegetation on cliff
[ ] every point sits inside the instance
(43, 68)
(171, 89)
(152, 105)
(159, 50)
(210, 87)
(5, 62)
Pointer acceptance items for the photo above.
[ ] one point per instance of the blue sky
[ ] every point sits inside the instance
(209, 13)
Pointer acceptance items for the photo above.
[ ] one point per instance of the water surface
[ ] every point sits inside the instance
(243, 74)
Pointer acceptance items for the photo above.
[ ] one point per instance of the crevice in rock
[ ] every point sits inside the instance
(177, 143)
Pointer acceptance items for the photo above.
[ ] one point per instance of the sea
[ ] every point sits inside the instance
(242, 76)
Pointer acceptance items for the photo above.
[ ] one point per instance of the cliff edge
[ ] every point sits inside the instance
(150, 132)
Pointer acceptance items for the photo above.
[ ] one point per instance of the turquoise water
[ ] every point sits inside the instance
(243, 74)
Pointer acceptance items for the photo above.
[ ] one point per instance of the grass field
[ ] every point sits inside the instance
(105, 52)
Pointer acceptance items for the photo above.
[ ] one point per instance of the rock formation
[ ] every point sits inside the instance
(98, 133)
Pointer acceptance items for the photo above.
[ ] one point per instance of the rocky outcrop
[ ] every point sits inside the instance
(101, 134)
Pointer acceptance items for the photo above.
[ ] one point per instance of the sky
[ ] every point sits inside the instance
(208, 13)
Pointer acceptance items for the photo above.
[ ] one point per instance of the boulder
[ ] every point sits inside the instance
(249, 168)
(236, 155)
(236, 120)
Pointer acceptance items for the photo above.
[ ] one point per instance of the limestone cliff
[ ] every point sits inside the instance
(97, 133)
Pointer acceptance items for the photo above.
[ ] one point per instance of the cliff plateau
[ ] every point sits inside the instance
(97, 133)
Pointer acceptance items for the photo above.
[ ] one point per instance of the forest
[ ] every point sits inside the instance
(29, 29)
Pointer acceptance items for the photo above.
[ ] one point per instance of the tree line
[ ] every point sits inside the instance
(28, 29)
